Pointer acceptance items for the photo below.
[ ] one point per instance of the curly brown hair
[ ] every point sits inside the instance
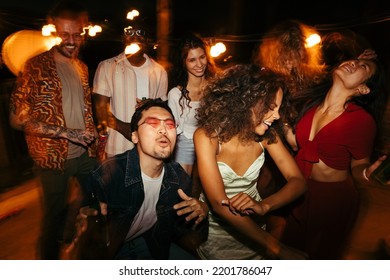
(236, 100)
(283, 50)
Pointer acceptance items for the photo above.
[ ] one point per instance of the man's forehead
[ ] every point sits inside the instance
(156, 110)
(65, 23)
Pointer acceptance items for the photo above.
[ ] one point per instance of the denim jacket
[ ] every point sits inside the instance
(118, 182)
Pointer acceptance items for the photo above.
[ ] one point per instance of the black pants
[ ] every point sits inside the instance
(56, 187)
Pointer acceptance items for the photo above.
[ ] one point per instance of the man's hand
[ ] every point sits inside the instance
(82, 223)
(193, 207)
(80, 136)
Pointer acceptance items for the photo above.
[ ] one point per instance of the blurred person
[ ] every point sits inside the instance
(192, 68)
(145, 195)
(121, 82)
(284, 50)
(335, 139)
(52, 105)
(342, 45)
(235, 121)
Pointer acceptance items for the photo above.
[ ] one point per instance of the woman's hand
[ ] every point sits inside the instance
(374, 166)
(244, 204)
(370, 169)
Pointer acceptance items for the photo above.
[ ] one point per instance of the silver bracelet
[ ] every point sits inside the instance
(365, 174)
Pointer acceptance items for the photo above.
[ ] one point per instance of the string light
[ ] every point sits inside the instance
(132, 14)
(132, 49)
(312, 40)
(48, 29)
(217, 49)
(92, 30)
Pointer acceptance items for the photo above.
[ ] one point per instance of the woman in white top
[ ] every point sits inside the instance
(235, 120)
(192, 69)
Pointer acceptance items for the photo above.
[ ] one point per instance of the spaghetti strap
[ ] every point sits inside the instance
(219, 142)
(261, 145)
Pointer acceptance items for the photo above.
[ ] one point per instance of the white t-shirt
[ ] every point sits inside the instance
(142, 74)
(146, 216)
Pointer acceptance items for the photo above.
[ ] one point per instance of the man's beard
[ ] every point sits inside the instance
(69, 53)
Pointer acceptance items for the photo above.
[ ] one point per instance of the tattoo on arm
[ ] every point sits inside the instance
(44, 130)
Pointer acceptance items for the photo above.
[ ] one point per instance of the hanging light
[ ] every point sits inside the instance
(48, 29)
(132, 48)
(312, 40)
(132, 14)
(217, 49)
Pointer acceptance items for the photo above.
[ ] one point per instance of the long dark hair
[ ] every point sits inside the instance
(374, 103)
(179, 73)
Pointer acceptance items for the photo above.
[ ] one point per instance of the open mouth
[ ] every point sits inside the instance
(267, 123)
(347, 67)
(163, 142)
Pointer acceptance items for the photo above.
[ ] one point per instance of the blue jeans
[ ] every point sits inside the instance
(56, 187)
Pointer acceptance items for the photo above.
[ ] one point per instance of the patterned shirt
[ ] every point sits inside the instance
(39, 91)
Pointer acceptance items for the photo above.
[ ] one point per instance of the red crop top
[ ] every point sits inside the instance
(350, 135)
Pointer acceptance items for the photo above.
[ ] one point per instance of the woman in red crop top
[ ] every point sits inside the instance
(334, 141)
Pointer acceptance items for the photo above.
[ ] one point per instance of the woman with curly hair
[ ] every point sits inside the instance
(192, 69)
(235, 120)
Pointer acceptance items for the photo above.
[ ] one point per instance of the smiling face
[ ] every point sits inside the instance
(69, 30)
(155, 141)
(271, 115)
(355, 73)
(196, 62)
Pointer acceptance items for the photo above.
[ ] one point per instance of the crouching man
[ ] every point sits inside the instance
(146, 196)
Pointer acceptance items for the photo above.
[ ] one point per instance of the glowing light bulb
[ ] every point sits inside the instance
(132, 48)
(94, 29)
(132, 14)
(312, 40)
(48, 29)
(217, 49)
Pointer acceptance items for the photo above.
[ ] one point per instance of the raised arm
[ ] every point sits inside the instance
(214, 190)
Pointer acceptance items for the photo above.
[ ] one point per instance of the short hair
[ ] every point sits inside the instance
(68, 9)
(145, 105)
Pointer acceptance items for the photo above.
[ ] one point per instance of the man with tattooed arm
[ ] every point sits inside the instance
(51, 103)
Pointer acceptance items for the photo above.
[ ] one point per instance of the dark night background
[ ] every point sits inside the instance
(241, 23)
